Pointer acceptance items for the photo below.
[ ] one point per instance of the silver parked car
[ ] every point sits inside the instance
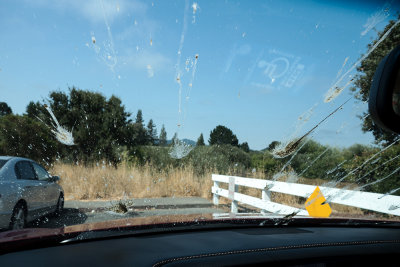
(27, 192)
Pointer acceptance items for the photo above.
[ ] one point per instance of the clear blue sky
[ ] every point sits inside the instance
(261, 64)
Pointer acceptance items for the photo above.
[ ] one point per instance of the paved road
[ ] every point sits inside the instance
(78, 212)
(144, 203)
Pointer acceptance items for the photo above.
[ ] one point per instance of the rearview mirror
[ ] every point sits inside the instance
(384, 95)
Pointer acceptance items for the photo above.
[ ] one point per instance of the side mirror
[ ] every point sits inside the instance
(55, 179)
(384, 95)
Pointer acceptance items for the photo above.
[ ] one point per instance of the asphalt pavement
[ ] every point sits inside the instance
(79, 212)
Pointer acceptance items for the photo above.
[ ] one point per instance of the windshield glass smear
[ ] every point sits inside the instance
(153, 108)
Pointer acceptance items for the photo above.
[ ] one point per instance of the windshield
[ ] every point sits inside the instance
(153, 108)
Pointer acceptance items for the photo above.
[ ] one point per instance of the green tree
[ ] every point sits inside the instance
(25, 137)
(175, 137)
(200, 140)
(139, 117)
(4, 109)
(384, 168)
(245, 147)
(137, 135)
(138, 132)
(266, 162)
(163, 136)
(152, 133)
(273, 145)
(100, 126)
(364, 78)
(222, 135)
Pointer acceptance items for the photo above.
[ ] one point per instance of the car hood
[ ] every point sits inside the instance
(173, 222)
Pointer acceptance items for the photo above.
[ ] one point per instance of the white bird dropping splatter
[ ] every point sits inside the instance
(195, 6)
(150, 71)
(337, 88)
(63, 135)
(180, 149)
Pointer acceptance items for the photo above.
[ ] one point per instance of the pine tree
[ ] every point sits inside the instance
(163, 136)
(175, 137)
(139, 117)
(200, 140)
(152, 133)
(4, 109)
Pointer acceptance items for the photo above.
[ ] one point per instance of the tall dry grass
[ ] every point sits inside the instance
(106, 182)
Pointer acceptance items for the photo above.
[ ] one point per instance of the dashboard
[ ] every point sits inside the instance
(234, 246)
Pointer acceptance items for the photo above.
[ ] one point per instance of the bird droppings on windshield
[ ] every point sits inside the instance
(376, 18)
(292, 177)
(332, 95)
(150, 71)
(289, 148)
(105, 52)
(178, 71)
(195, 6)
(284, 150)
(62, 134)
(342, 67)
(347, 78)
(305, 117)
(122, 206)
(180, 149)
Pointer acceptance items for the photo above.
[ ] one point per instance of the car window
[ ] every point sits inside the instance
(41, 173)
(25, 171)
(2, 162)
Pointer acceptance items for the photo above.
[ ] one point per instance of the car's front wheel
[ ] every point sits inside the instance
(18, 219)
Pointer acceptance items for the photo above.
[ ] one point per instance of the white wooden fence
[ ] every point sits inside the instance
(370, 201)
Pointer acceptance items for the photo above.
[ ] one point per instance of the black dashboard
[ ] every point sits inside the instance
(234, 246)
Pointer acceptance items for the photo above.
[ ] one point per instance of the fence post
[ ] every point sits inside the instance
(266, 197)
(216, 196)
(233, 187)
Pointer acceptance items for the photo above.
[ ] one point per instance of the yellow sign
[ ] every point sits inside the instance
(316, 206)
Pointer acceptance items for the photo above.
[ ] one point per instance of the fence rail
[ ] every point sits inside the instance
(365, 200)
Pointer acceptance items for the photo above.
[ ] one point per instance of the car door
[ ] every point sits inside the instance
(29, 184)
(49, 190)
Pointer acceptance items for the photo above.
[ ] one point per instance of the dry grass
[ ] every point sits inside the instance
(106, 182)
